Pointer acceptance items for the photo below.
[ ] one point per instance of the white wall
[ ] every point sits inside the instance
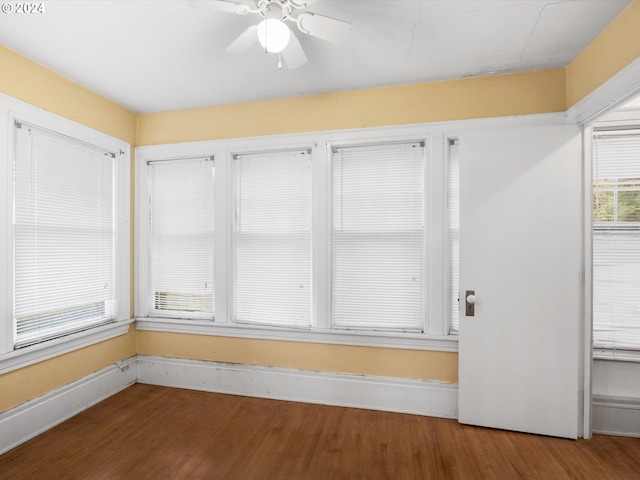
(616, 397)
(616, 379)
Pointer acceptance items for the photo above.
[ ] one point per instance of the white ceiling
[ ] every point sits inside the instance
(150, 55)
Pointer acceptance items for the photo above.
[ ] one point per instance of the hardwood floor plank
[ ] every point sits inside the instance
(148, 432)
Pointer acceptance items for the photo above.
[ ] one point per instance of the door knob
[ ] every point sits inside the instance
(470, 301)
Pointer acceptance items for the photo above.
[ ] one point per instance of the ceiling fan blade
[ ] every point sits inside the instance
(245, 41)
(220, 6)
(302, 3)
(293, 55)
(326, 28)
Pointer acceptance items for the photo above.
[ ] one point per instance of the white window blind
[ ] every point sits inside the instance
(378, 237)
(181, 236)
(273, 238)
(454, 236)
(616, 239)
(63, 228)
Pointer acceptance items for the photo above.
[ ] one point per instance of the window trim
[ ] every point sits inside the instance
(409, 341)
(616, 354)
(39, 352)
(12, 110)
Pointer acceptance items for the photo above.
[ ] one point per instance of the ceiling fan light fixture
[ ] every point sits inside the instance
(273, 35)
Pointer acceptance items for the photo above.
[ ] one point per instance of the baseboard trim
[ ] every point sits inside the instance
(616, 415)
(40, 414)
(611, 415)
(418, 397)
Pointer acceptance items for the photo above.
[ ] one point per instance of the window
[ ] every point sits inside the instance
(64, 235)
(181, 237)
(378, 237)
(272, 233)
(453, 207)
(616, 239)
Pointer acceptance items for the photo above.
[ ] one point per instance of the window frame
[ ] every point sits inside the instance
(336, 147)
(618, 121)
(12, 111)
(150, 299)
(235, 157)
(450, 142)
(435, 284)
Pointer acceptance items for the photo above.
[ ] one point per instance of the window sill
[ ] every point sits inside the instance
(409, 341)
(616, 355)
(24, 357)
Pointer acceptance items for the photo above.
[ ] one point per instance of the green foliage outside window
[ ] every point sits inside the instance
(616, 200)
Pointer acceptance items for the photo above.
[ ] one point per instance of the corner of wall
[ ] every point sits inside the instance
(617, 46)
(33, 83)
(27, 383)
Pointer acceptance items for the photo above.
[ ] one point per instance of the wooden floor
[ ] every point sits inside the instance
(148, 432)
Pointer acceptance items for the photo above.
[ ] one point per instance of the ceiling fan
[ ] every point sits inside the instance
(272, 32)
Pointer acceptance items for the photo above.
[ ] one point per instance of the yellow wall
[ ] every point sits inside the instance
(500, 95)
(27, 81)
(35, 380)
(483, 97)
(388, 362)
(616, 47)
(544, 91)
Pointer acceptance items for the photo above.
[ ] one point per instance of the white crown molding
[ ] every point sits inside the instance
(419, 397)
(40, 414)
(616, 91)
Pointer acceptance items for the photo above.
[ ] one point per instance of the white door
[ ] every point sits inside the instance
(521, 252)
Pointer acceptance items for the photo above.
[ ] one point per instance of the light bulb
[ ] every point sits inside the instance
(273, 35)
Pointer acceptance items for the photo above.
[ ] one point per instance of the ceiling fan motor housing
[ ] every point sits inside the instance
(280, 9)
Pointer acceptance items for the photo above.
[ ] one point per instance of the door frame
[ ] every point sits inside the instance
(615, 92)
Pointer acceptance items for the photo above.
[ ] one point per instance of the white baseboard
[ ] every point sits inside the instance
(616, 415)
(611, 415)
(358, 391)
(40, 414)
